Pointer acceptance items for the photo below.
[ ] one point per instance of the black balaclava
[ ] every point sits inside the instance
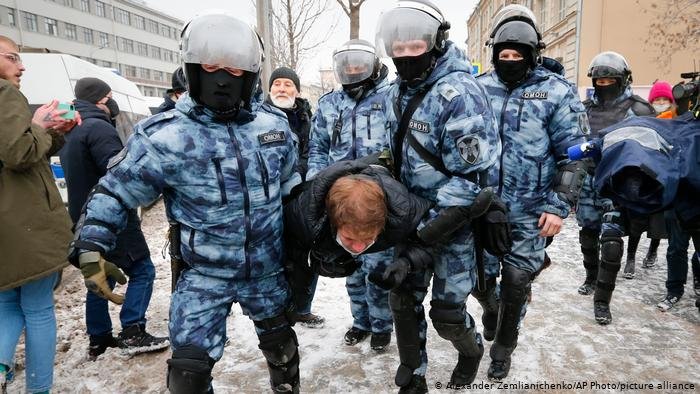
(415, 69)
(358, 89)
(221, 92)
(513, 72)
(609, 93)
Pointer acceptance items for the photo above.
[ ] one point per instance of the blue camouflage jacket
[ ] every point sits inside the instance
(455, 123)
(345, 129)
(223, 182)
(538, 121)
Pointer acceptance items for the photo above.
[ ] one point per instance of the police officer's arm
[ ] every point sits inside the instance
(566, 128)
(470, 145)
(319, 144)
(134, 178)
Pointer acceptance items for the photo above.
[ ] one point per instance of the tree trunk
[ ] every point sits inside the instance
(354, 22)
(290, 37)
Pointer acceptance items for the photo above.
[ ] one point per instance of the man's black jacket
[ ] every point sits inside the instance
(300, 123)
(307, 226)
(84, 159)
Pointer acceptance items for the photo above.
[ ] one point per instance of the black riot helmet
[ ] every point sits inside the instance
(178, 82)
(517, 34)
(610, 65)
(207, 40)
(514, 12)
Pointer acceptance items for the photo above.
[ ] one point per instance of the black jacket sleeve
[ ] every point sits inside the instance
(103, 142)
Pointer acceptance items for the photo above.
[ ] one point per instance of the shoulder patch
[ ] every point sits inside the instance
(271, 137)
(469, 149)
(377, 106)
(167, 115)
(447, 91)
(116, 159)
(534, 95)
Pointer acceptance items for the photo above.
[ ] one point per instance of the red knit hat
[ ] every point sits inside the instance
(660, 89)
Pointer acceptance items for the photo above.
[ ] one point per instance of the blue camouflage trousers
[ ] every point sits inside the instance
(453, 275)
(528, 247)
(200, 304)
(591, 207)
(369, 303)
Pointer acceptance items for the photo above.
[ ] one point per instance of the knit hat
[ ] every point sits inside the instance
(91, 90)
(285, 72)
(661, 89)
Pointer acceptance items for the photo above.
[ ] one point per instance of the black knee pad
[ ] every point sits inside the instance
(448, 319)
(280, 350)
(515, 284)
(611, 248)
(189, 371)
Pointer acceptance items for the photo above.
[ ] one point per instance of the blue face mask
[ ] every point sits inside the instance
(353, 254)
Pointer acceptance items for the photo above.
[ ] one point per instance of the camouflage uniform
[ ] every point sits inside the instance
(455, 123)
(539, 120)
(223, 182)
(345, 129)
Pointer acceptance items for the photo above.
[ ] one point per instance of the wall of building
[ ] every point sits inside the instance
(139, 42)
(622, 26)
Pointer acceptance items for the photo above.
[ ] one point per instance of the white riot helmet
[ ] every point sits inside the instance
(208, 39)
(355, 61)
(416, 20)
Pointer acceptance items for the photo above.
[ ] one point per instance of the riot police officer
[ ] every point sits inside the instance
(222, 161)
(611, 102)
(349, 124)
(443, 140)
(540, 116)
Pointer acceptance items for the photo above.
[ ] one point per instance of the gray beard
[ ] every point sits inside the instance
(282, 102)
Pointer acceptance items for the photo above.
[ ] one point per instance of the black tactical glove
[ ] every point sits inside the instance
(493, 229)
(96, 270)
(409, 259)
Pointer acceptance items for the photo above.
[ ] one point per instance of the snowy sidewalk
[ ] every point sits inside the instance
(560, 344)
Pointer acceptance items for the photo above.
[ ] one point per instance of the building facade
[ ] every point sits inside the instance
(576, 30)
(138, 41)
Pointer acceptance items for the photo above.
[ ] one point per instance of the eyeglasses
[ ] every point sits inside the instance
(13, 57)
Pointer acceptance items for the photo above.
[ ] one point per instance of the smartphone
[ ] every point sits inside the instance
(67, 107)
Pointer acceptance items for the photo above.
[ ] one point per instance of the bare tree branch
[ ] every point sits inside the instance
(675, 26)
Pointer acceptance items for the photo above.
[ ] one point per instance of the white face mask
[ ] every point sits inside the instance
(353, 254)
(659, 108)
(282, 101)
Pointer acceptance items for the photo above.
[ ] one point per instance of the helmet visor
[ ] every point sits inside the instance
(353, 66)
(513, 12)
(405, 32)
(221, 40)
(607, 64)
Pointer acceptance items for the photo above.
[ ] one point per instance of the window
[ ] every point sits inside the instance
(128, 45)
(157, 75)
(165, 31)
(87, 36)
(153, 26)
(104, 63)
(562, 9)
(30, 22)
(104, 40)
(51, 26)
(142, 48)
(140, 22)
(122, 16)
(71, 32)
(100, 9)
(68, 3)
(129, 71)
(144, 73)
(85, 5)
(11, 17)
(155, 52)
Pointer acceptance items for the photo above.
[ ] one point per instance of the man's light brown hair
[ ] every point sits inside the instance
(356, 202)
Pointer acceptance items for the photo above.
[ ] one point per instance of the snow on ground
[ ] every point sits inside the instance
(560, 341)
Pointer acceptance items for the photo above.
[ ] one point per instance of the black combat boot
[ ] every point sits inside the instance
(417, 386)
(590, 248)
